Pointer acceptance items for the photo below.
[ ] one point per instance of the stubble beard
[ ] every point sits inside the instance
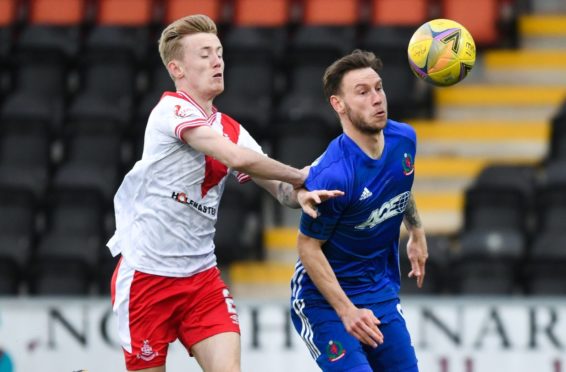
(360, 124)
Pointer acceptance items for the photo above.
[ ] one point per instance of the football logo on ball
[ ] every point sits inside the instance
(441, 52)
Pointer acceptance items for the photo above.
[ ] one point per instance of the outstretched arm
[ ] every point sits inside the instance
(417, 249)
(297, 198)
(206, 140)
(360, 323)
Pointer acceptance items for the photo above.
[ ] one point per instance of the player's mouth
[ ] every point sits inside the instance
(217, 76)
(380, 114)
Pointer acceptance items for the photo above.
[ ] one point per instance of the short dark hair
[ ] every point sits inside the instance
(332, 79)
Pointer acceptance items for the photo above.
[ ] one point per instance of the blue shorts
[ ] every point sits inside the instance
(334, 349)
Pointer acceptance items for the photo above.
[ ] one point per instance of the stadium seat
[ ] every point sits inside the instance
(91, 161)
(75, 211)
(158, 82)
(55, 28)
(312, 49)
(61, 246)
(544, 269)
(260, 13)
(8, 17)
(24, 160)
(70, 247)
(121, 26)
(554, 173)
(249, 104)
(399, 12)
(331, 12)
(107, 90)
(238, 230)
(42, 82)
(558, 136)
(478, 277)
(259, 27)
(436, 271)
(270, 42)
(493, 242)
(406, 96)
(480, 18)
(304, 99)
(299, 143)
(175, 9)
(59, 277)
(105, 271)
(322, 43)
(124, 12)
(9, 278)
(497, 207)
(387, 40)
(522, 178)
(17, 236)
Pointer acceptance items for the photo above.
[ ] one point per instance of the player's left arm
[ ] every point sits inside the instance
(297, 198)
(417, 249)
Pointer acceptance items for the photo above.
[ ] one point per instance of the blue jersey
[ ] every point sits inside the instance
(361, 228)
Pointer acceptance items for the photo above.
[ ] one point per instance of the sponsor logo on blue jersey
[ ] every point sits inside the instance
(390, 208)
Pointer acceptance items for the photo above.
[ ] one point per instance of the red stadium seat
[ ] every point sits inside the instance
(331, 12)
(274, 13)
(63, 13)
(479, 17)
(7, 12)
(399, 12)
(124, 12)
(175, 9)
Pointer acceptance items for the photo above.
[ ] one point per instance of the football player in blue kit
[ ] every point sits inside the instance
(345, 289)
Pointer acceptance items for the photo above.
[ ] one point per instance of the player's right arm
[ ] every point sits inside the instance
(360, 323)
(206, 140)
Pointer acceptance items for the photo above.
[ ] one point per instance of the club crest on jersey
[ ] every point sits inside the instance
(335, 351)
(181, 113)
(408, 165)
(147, 352)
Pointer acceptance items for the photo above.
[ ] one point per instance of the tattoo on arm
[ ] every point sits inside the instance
(411, 214)
(285, 194)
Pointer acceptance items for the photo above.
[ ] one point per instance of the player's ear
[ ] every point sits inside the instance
(337, 104)
(175, 69)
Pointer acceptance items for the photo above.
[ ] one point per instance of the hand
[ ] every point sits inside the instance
(362, 324)
(417, 252)
(308, 200)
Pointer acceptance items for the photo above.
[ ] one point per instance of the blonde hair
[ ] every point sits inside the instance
(170, 46)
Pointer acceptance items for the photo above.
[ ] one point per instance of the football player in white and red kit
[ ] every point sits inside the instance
(166, 285)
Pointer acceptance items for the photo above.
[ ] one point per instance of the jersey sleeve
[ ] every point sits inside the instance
(246, 140)
(180, 115)
(325, 177)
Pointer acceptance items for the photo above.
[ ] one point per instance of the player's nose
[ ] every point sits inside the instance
(376, 97)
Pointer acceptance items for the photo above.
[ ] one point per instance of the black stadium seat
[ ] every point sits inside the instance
(25, 159)
(68, 252)
(493, 242)
(544, 270)
(91, 161)
(17, 236)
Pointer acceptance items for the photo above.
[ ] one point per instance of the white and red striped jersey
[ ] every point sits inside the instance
(167, 205)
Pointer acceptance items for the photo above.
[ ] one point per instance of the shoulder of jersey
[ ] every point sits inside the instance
(401, 128)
